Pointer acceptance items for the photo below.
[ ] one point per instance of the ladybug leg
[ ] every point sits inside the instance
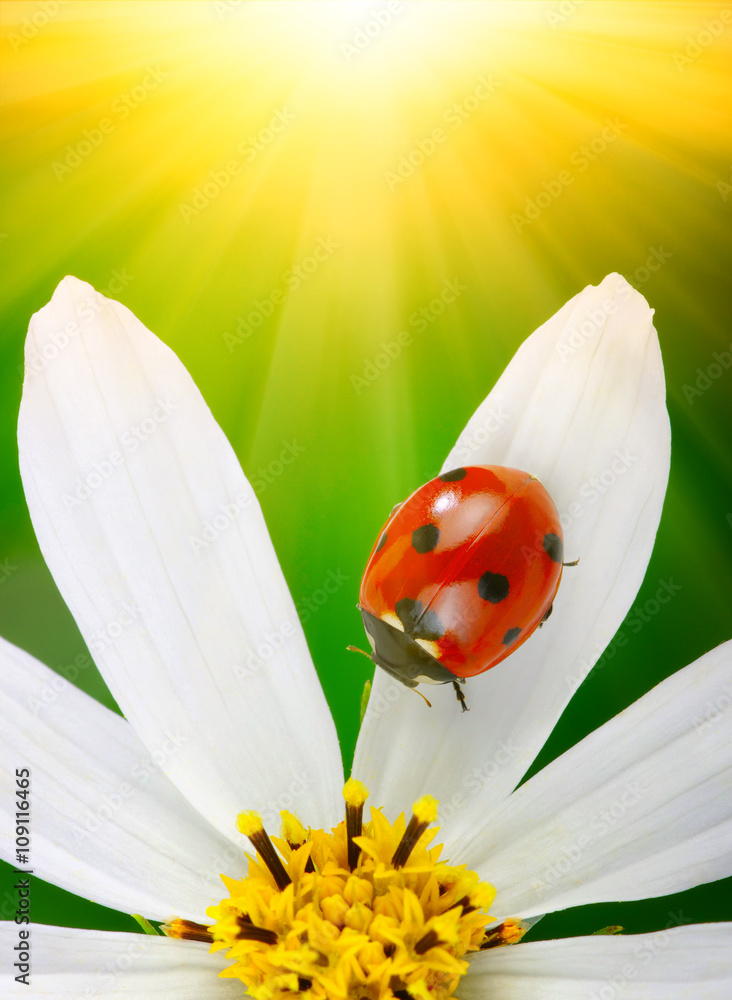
(546, 614)
(460, 696)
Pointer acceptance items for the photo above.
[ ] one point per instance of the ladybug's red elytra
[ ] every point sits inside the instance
(462, 573)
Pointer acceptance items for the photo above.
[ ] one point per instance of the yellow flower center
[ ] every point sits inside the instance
(364, 912)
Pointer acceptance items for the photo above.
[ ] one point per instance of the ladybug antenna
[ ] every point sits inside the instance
(355, 649)
(571, 563)
(417, 691)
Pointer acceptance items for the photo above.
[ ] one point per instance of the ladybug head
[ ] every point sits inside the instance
(399, 655)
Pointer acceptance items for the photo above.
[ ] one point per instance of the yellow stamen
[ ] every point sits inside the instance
(355, 795)
(250, 824)
(513, 931)
(425, 809)
(295, 834)
(292, 829)
(509, 932)
(187, 930)
(364, 931)
(424, 813)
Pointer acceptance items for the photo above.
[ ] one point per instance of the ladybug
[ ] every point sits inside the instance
(462, 573)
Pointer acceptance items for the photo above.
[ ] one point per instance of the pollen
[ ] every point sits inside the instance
(355, 793)
(249, 823)
(363, 912)
(292, 830)
(425, 809)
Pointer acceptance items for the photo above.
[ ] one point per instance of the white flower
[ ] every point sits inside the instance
(158, 546)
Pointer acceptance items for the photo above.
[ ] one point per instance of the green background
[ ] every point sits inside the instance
(662, 184)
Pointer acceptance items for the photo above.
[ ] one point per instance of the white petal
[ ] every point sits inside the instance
(641, 807)
(167, 566)
(97, 965)
(682, 963)
(105, 821)
(568, 416)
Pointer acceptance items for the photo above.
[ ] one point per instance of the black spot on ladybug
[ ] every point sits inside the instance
(417, 622)
(382, 543)
(493, 587)
(511, 636)
(452, 477)
(425, 538)
(554, 547)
